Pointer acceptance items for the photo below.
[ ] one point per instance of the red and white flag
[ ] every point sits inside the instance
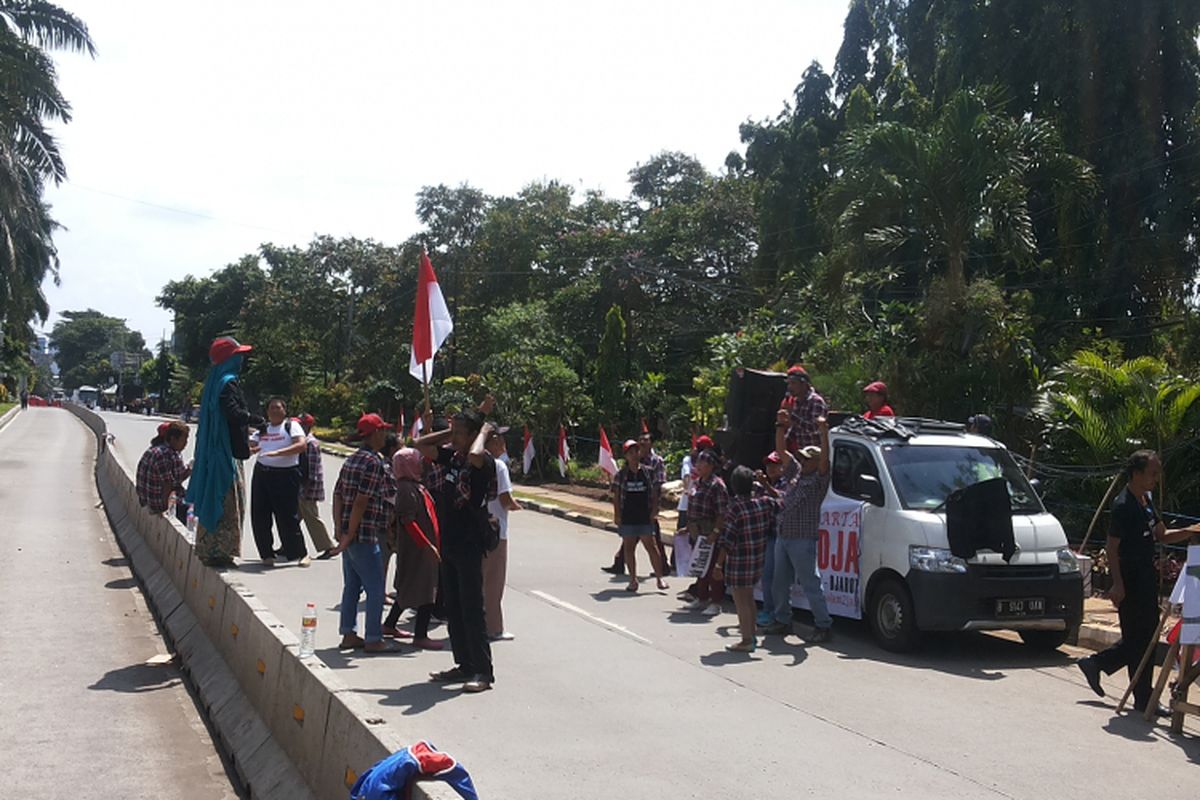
(417, 426)
(431, 322)
(527, 453)
(645, 427)
(401, 426)
(564, 452)
(607, 462)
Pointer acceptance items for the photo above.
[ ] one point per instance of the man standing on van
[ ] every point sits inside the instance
(804, 407)
(805, 482)
(1135, 528)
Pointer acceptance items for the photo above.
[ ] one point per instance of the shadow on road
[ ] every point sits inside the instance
(137, 678)
(121, 583)
(604, 595)
(415, 698)
(115, 562)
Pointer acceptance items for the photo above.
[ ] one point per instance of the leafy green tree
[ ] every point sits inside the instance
(853, 60)
(612, 364)
(85, 341)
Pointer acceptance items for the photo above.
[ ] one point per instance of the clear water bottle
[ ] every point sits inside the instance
(191, 524)
(308, 631)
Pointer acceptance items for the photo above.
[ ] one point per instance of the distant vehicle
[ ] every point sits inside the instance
(86, 396)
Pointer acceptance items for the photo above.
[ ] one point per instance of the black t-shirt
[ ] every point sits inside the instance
(462, 501)
(635, 496)
(1133, 524)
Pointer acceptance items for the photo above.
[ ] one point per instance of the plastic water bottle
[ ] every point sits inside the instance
(191, 524)
(308, 631)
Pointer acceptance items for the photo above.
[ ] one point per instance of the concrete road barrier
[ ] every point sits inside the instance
(291, 727)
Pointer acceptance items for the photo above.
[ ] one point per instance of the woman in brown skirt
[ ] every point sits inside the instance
(417, 550)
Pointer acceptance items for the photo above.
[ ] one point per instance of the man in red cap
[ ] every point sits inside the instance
(217, 489)
(360, 518)
(312, 489)
(804, 407)
(875, 397)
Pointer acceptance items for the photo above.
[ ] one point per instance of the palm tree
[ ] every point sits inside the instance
(29, 155)
(963, 179)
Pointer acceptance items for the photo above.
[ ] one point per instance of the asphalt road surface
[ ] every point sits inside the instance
(86, 708)
(605, 694)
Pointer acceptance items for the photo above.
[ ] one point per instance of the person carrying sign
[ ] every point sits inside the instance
(805, 480)
(706, 515)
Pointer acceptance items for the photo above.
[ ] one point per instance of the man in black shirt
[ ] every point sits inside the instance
(1135, 527)
(463, 518)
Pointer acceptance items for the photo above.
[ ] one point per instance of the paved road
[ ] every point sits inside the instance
(82, 714)
(604, 694)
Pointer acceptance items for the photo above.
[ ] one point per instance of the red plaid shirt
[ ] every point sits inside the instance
(159, 472)
(748, 521)
(658, 469)
(709, 498)
(804, 411)
(364, 473)
(314, 487)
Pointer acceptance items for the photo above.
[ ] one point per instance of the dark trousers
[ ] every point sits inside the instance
(420, 627)
(1138, 614)
(275, 494)
(462, 592)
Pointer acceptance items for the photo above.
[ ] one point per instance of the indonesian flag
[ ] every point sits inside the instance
(607, 462)
(527, 453)
(564, 452)
(431, 322)
(417, 426)
(645, 427)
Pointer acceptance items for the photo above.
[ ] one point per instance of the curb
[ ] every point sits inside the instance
(1091, 637)
(9, 415)
(291, 728)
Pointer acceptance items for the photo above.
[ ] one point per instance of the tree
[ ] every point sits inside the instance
(612, 364)
(29, 103)
(853, 62)
(85, 341)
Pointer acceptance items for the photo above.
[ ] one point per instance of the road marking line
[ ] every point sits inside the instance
(563, 604)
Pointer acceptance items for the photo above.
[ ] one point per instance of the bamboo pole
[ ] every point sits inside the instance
(1100, 508)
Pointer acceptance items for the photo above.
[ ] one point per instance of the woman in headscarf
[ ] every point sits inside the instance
(417, 549)
(218, 487)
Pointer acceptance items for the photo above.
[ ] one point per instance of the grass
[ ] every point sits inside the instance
(4, 408)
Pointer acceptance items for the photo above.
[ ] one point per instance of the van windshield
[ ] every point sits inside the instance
(925, 476)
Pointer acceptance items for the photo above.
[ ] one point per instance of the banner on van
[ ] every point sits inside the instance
(837, 558)
(1189, 588)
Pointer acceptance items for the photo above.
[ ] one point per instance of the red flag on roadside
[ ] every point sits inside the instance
(528, 452)
(607, 462)
(645, 427)
(564, 452)
(431, 322)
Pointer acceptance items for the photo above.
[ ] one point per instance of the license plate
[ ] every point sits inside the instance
(1024, 607)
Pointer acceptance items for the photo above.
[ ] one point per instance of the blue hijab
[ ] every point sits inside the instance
(215, 467)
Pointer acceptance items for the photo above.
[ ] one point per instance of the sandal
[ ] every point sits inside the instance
(427, 644)
(632, 587)
(351, 643)
(381, 647)
(395, 633)
(742, 647)
(663, 585)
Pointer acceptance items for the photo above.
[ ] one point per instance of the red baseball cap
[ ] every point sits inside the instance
(308, 420)
(224, 347)
(704, 443)
(628, 444)
(773, 458)
(797, 371)
(878, 387)
(369, 423)
(162, 428)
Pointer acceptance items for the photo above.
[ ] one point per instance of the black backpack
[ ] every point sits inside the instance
(303, 466)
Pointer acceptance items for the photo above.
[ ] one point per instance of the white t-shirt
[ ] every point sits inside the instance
(277, 438)
(685, 473)
(503, 484)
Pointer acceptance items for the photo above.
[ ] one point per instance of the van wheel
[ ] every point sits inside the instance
(893, 620)
(1045, 640)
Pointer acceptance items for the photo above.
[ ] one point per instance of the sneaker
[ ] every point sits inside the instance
(1091, 671)
(304, 561)
(764, 618)
(686, 597)
(694, 605)
(819, 636)
(477, 684)
(453, 675)
(777, 629)
(711, 610)
(502, 636)
(326, 555)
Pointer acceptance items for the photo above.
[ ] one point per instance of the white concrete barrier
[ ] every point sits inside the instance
(292, 728)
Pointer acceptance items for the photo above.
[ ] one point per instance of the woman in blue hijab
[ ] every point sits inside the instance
(218, 486)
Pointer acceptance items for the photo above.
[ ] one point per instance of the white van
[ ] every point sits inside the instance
(885, 552)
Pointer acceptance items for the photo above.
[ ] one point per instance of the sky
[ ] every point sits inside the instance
(201, 131)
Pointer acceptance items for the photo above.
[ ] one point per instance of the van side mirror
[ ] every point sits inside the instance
(1037, 487)
(870, 489)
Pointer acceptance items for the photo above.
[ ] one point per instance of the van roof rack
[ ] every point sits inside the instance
(894, 427)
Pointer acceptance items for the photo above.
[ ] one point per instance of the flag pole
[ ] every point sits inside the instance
(425, 385)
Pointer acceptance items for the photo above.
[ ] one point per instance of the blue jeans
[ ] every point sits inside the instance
(768, 578)
(796, 562)
(362, 568)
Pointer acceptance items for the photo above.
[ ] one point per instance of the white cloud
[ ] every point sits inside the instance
(204, 130)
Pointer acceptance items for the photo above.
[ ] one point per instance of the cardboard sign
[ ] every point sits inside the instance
(702, 555)
(1189, 585)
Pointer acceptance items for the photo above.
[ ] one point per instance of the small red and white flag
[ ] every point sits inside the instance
(645, 427)
(564, 452)
(417, 426)
(607, 462)
(401, 426)
(527, 453)
(432, 325)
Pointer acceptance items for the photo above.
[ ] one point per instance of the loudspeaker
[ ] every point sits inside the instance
(750, 405)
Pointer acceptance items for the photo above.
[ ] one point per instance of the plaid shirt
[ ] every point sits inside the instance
(800, 507)
(314, 487)
(159, 472)
(658, 470)
(804, 411)
(748, 522)
(709, 499)
(364, 473)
